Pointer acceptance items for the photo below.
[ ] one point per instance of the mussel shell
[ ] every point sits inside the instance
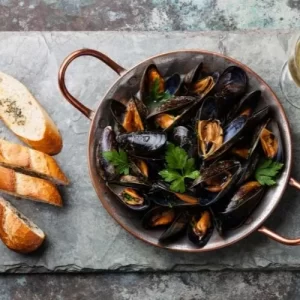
(231, 85)
(158, 211)
(235, 216)
(249, 101)
(193, 75)
(208, 110)
(161, 195)
(117, 189)
(132, 181)
(181, 136)
(196, 239)
(147, 81)
(176, 228)
(142, 143)
(107, 142)
(173, 104)
(173, 84)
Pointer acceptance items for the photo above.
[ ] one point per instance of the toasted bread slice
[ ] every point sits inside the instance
(32, 188)
(30, 162)
(25, 117)
(16, 231)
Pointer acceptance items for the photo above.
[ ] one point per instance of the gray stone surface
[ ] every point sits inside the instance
(168, 286)
(82, 236)
(162, 15)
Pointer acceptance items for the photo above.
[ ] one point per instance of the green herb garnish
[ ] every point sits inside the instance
(119, 160)
(267, 171)
(179, 167)
(156, 95)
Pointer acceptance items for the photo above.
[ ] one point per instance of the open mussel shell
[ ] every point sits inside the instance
(132, 181)
(131, 197)
(107, 142)
(181, 136)
(231, 85)
(158, 217)
(140, 168)
(249, 101)
(161, 195)
(241, 205)
(172, 84)
(200, 228)
(176, 228)
(127, 115)
(145, 143)
(193, 76)
(216, 181)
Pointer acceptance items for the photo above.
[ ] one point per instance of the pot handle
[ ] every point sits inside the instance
(62, 72)
(276, 237)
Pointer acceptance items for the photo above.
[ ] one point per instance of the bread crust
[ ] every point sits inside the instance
(32, 188)
(30, 162)
(15, 233)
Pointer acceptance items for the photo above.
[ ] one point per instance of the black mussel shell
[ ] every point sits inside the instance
(231, 85)
(181, 136)
(142, 143)
(173, 84)
(173, 104)
(127, 115)
(132, 198)
(241, 205)
(193, 76)
(249, 101)
(161, 195)
(201, 228)
(139, 168)
(107, 142)
(220, 178)
(132, 181)
(176, 228)
(208, 110)
(158, 217)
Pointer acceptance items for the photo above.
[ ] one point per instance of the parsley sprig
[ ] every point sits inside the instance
(267, 171)
(119, 160)
(179, 167)
(156, 95)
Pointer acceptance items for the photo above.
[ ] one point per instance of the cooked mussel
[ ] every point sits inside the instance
(133, 181)
(201, 228)
(166, 114)
(161, 195)
(142, 143)
(158, 217)
(176, 228)
(153, 85)
(216, 181)
(107, 142)
(140, 168)
(193, 76)
(242, 204)
(131, 197)
(127, 115)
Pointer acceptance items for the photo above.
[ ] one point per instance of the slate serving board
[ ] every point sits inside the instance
(81, 236)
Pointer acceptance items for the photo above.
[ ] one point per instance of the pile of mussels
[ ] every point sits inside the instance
(218, 124)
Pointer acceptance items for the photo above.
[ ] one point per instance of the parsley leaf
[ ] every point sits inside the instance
(267, 171)
(119, 160)
(179, 167)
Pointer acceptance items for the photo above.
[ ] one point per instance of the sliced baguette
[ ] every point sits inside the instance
(25, 117)
(30, 162)
(17, 232)
(32, 188)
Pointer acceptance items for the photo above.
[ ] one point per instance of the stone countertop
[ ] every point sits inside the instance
(82, 236)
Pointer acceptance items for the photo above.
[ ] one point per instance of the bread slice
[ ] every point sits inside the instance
(25, 117)
(30, 162)
(32, 188)
(17, 232)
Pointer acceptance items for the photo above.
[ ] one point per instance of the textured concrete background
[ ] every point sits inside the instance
(163, 15)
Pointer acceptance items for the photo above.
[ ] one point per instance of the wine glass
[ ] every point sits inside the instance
(290, 74)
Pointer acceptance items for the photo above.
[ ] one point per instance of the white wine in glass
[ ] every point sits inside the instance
(290, 75)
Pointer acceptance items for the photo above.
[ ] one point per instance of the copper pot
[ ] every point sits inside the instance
(128, 83)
